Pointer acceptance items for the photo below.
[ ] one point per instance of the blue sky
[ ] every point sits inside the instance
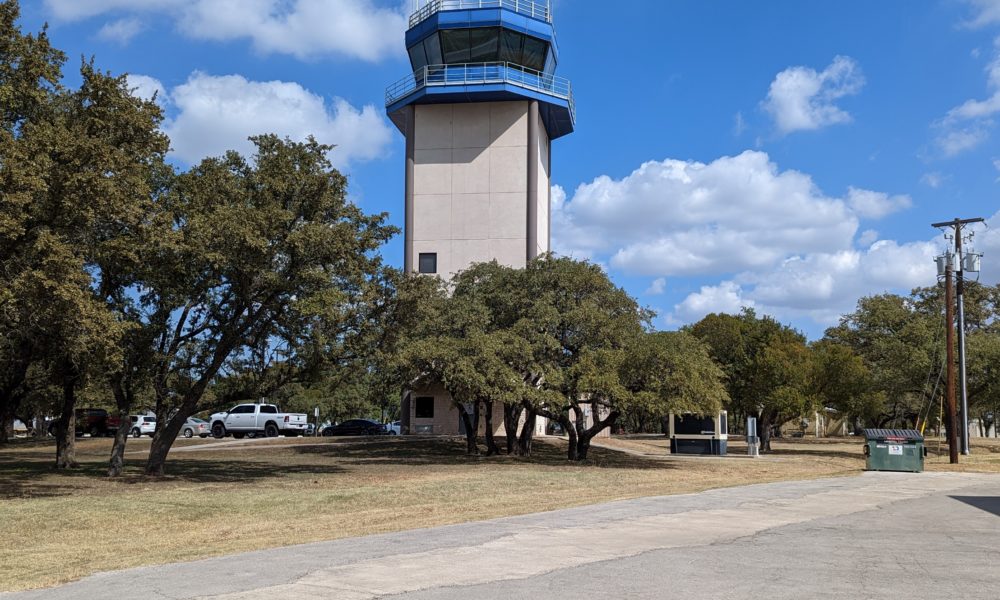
(779, 154)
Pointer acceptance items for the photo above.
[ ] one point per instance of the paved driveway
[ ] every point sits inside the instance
(880, 535)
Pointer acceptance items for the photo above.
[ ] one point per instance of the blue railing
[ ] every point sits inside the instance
(481, 74)
(536, 10)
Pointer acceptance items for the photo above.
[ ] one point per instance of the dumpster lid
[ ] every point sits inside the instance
(894, 435)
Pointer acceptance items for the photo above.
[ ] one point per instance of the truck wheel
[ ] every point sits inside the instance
(136, 433)
(95, 432)
(218, 431)
(188, 433)
(271, 430)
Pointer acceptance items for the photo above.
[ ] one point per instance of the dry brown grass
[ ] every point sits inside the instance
(229, 497)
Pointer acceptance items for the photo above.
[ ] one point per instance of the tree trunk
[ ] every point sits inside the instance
(471, 428)
(585, 435)
(527, 433)
(764, 432)
(124, 402)
(6, 427)
(164, 438)
(66, 428)
(511, 417)
(571, 453)
(491, 443)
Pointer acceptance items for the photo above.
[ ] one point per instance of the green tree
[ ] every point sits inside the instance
(901, 345)
(672, 371)
(579, 326)
(843, 382)
(264, 252)
(768, 367)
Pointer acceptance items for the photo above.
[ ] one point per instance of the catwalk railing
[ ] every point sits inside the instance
(536, 10)
(481, 74)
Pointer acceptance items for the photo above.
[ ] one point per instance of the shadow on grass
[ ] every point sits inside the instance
(35, 478)
(816, 453)
(451, 451)
(30, 473)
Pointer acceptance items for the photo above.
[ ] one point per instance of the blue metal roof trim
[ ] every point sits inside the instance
(555, 112)
(483, 17)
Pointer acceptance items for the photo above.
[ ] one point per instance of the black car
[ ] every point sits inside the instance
(356, 427)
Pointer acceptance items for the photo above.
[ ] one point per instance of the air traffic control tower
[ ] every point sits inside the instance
(479, 113)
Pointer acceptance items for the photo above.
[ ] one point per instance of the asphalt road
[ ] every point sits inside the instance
(877, 536)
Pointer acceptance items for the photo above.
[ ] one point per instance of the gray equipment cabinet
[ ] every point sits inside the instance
(894, 450)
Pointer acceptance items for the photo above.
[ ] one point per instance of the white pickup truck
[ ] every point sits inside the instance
(257, 419)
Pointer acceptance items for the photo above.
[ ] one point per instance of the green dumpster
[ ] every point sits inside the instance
(894, 450)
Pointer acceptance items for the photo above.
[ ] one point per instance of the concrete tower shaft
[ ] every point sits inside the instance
(479, 113)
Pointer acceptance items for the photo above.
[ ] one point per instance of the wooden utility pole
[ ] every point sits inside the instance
(958, 224)
(949, 318)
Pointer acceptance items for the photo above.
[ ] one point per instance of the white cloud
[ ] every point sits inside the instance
(875, 205)
(800, 98)
(215, 114)
(967, 125)
(682, 218)
(121, 31)
(146, 87)
(867, 238)
(727, 297)
(956, 141)
(933, 179)
(775, 241)
(302, 28)
(820, 287)
(984, 12)
(657, 287)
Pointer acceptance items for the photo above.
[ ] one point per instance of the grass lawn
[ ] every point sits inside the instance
(222, 497)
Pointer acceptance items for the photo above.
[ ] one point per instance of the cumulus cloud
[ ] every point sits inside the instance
(969, 124)
(821, 286)
(727, 297)
(147, 88)
(121, 31)
(801, 98)
(774, 240)
(984, 12)
(867, 238)
(875, 205)
(933, 179)
(301, 28)
(213, 114)
(684, 218)
(657, 287)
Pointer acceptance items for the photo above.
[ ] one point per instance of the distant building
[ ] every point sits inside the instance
(479, 113)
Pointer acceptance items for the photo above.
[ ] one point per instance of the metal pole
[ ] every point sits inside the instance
(949, 310)
(963, 392)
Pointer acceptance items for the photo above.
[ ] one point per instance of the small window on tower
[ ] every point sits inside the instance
(428, 262)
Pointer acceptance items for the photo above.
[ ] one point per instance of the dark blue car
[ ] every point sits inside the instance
(356, 427)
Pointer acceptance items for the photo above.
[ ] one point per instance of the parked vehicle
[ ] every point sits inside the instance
(20, 428)
(196, 427)
(356, 427)
(257, 419)
(143, 425)
(393, 428)
(95, 421)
